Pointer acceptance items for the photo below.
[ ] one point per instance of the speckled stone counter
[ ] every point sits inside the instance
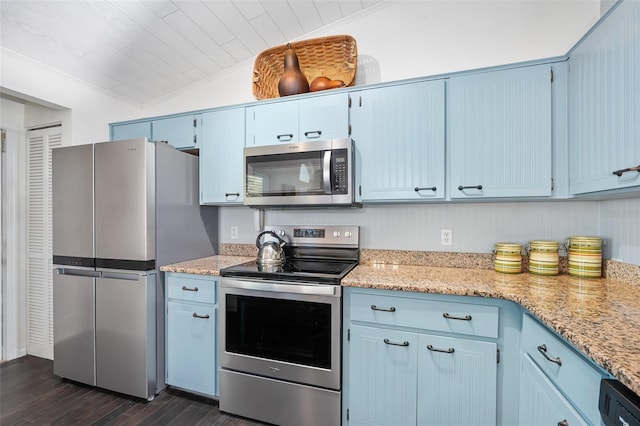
(207, 265)
(601, 317)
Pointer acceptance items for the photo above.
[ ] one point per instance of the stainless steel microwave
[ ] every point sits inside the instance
(318, 173)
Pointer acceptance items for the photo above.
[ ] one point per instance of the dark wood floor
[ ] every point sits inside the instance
(31, 395)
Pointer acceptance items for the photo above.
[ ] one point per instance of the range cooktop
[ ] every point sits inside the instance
(301, 270)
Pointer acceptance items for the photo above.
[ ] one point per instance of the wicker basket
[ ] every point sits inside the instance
(334, 57)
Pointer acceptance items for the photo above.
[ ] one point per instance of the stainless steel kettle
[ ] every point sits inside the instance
(270, 252)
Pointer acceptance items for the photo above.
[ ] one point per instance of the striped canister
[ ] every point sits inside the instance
(508, 258)
(543, 257)
(585, 256)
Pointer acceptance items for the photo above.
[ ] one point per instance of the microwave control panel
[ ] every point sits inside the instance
(340, 169)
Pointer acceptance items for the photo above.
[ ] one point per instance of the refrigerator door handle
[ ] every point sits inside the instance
(78, 272)
(122, 276)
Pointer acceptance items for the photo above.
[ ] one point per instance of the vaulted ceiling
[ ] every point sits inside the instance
(145, 50)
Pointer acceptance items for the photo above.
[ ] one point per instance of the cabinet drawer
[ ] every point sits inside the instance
(574, 375)
(450, 317)
(191, 288)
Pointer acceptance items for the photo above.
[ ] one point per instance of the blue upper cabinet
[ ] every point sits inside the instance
(141, 129)
(181, 131)
(307, 119)
(604, 104)
(399, 134)
(221, 169)
(500, 134)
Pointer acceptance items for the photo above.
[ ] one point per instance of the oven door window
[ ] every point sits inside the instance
(298, 173)
(284, 330)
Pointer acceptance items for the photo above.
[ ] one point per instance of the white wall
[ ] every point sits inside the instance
(14, 214)
(621, 227)
(91, 110)
(407, 39)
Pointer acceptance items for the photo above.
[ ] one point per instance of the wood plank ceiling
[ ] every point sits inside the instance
(146, 50)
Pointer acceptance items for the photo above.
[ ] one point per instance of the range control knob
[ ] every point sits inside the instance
(281, 233)
(336, 234)
(348, 234)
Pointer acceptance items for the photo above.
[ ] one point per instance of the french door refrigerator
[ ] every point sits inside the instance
(120, 211)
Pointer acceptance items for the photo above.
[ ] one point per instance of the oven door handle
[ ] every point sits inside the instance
(326, 171)
(280, 287)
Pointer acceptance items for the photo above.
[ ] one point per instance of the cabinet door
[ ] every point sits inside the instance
(131, 131)
(456, 381)
(178, 131)
(540, 401)
(499, 133)
(221, 168)
(399, 134)
(324, 117)
(382, 377)
(604, 104)
(191, 348)
(272, 123)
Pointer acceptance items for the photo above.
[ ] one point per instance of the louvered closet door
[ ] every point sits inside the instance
(39, 246)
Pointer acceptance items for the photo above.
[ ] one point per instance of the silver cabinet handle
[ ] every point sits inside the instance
(185, 288)
(285, 137)
(195, 315)
(628, 169)
(375, 308)
(543, 350)
(427, 188)
(446, 351)
(389, 342)
(563, 423)
(464, 318)
(313, 134)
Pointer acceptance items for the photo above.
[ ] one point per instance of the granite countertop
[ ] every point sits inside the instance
(207, 265)
(600, 317)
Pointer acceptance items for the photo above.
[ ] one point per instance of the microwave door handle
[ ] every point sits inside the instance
(326, 171)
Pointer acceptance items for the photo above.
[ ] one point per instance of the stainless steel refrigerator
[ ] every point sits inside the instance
(120, 211)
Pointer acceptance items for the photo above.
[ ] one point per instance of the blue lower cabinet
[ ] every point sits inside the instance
(456, 381)
(191, 326)
(541, 403)
(383, 376)
(399, 372)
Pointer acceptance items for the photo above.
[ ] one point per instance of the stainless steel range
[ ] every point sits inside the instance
(280, 329)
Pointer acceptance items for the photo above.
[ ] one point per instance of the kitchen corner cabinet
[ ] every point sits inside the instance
(191, 338)
(221, 157)
(131, 130)
(399, 134)
(557, 383)
(300, 120)
(181, 131)
(500, 134)
(604, 104)
(420, 361)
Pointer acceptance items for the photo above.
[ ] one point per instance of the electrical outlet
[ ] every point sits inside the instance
(234, 232)
(446, 237)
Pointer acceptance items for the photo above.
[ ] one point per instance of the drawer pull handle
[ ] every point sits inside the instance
(628, 169)
(427, 188)
(185, 288)
(462, 188)
(464, 318)
(543, 350)
(230, 194)
(285, 137)
(375, 308)
(195, 315)
(446, 351)
(563, 423)
(389, 342)
(313, 134)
